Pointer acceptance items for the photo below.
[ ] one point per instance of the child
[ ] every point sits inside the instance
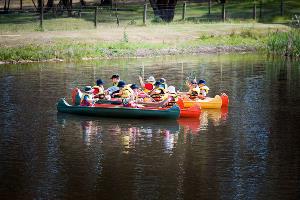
(115, 79)
(158, 93)
(203, 89)
(163, 83)
(149, 86)
(99, 89)
(194, 91)
(87, 99)
(173, 97)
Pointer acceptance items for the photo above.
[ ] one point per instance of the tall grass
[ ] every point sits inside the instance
(73, 50)
(284, 43)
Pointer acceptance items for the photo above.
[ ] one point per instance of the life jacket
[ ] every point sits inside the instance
(173, 98)
(159, 93)
(84, 100)
(76, 96)
(194, 93)
(127, 96)
(148, 88)
(204, 90)
(127, 92)
(98, 92)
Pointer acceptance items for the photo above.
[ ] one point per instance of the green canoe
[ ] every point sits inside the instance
(108, 110)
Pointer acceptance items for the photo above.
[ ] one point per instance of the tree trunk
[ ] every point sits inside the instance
(50, 4)
(39, 5)
(106, 2)
(82, 2)
(165, 9)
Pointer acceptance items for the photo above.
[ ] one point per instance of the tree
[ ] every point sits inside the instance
(6, 5)
(165, 9)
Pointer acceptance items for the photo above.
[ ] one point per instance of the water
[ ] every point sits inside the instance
(249, 151)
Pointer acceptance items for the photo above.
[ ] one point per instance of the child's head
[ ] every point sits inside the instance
(99, 82)
(201, 83)
(157, 84)
(171, 90)
(194, 83)
(121, 84)
(115, 78)
(134, 87)
(162, 80)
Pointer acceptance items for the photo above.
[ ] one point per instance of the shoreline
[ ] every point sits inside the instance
(142, 53)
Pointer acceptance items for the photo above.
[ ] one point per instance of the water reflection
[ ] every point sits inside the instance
(213, 117)
(127, 133)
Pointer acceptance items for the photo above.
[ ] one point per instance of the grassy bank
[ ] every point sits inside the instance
(72, 50)
(109, 41)
(274, 42)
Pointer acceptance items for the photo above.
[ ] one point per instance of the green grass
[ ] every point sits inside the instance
(73, 51)
(284, 43)
(70, 50)
(274, 42)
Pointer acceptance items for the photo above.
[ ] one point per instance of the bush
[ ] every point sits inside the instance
(284, 43)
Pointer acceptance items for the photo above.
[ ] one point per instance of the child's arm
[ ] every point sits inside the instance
(142, 82)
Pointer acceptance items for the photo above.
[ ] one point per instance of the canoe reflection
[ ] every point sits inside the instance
(127, 133)
(207, 116)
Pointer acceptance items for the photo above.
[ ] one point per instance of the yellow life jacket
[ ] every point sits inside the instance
(204, 90)
(194, 92)
(159, 94)
(126, 92)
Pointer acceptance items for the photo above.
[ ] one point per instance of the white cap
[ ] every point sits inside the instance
(171, 89)
(151, 79)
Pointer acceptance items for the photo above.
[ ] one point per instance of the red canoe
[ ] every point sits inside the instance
(191, 112)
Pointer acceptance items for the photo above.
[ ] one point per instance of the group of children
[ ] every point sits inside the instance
(132, 95)
(197, 89)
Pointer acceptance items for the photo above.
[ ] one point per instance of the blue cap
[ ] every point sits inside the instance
(99, 82)
(88, 88)
(162, 80)
(157, 83)
(134, 86)
(202, 82)
(121, 84)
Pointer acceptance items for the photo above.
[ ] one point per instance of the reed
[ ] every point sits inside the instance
(284, 43)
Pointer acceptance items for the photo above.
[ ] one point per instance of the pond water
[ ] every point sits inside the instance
(249, 151)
